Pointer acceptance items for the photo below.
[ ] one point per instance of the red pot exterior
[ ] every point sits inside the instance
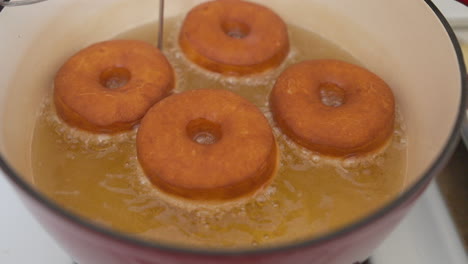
(88, 246)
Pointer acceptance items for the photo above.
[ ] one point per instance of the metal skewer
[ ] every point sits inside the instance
(161, 24)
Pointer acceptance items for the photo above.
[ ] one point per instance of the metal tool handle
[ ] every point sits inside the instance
(19, 2)
(161, 24)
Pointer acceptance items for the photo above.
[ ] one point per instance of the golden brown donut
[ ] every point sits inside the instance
(305, 102)
(108, 87)
(234, 37)
(206, 145)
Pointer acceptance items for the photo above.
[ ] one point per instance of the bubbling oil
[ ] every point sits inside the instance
(98, 176)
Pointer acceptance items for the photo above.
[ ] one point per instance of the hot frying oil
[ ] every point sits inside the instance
(98, 178)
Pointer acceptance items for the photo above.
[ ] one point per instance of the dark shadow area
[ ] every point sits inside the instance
(453, 183)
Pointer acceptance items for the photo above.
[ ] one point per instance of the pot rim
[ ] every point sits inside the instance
(435, 168)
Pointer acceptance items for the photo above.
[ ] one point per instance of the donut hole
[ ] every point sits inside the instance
(203, 131)
(115, 77)
(331, 94)
(235, 29)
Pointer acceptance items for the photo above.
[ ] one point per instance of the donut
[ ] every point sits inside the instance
(206, 144)
(108, 86)
(334, 108)
(234, 37)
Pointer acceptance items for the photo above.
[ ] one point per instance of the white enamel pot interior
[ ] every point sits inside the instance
(405, 42)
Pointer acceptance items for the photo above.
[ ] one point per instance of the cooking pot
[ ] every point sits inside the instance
(408, 43)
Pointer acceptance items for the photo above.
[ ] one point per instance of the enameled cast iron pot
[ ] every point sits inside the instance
(407, 42)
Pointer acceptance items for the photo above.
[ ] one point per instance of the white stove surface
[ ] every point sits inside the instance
(426, 236)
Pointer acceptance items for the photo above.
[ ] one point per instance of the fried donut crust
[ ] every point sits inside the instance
(206, 39)
(362, 124)
(240, 162)
(83, 101)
